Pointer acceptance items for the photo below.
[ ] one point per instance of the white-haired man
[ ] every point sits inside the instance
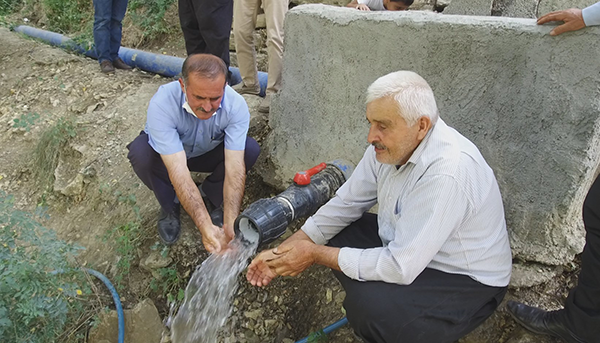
(435, 262)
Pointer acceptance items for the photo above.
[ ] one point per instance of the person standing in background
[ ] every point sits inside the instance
(245, 12)
(206, 26)
(108, 15)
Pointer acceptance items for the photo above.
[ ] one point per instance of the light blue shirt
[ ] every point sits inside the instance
(591, 15)
(171, 129)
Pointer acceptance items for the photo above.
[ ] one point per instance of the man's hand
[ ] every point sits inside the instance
(229, 232)
(362, 7)
(259, 274)
(292, 258)
(572, 18)
(214, 239)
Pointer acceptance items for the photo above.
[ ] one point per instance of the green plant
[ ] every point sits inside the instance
(149, 15)
(48, 149)
(168, 282)
(127, 239)
(318, 336)
(26, 120)
(67, 16)
(38, 284)
(9, 6)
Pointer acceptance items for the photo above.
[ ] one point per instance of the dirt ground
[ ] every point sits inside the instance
(96, 190)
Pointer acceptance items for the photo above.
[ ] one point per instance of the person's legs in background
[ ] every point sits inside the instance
(245, 12)
(275, 11)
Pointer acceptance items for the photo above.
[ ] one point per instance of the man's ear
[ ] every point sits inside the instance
(182, 85)
(424, 124)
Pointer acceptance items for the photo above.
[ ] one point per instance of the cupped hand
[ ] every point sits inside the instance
(259, 274)
(214, 239)
(362, 7)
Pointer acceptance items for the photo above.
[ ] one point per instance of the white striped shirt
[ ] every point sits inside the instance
(442, 210)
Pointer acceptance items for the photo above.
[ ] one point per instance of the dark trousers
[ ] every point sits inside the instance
(437, 307)
(149, 167)
(582, 308)
(206, 26)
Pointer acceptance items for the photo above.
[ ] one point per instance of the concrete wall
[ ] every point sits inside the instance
(513, 8)
(529, 101)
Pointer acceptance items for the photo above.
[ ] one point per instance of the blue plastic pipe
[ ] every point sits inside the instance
(169, 66)
(329, 329)
(116, 299)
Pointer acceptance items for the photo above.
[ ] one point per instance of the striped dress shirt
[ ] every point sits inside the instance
(441, 210)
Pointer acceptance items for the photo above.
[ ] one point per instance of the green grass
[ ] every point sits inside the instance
(41, 291)
(48, 148)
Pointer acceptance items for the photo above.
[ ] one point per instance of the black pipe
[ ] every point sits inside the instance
(266, 219)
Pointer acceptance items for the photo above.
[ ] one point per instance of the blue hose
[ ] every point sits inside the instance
(165, 65)
(116, 299)
(329, 329)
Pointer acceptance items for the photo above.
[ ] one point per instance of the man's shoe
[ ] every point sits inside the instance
(216, 216)
(169, 225)
(241, 88)
(119, 64)
(265, 104)
(542, 322)
(107, 67)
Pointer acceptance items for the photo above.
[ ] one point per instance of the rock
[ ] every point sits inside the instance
(254, 314)
(142, 325)
(154, 261)
(328, 296)
(469, 7)
(528, 275)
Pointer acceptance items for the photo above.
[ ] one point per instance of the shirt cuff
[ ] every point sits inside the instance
(591, 15)
(348, 260)
(313, 232)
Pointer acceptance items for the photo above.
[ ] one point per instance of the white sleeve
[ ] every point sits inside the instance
(591, 15)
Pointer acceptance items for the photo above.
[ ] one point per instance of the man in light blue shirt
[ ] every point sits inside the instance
(579, 320)
(199, 124)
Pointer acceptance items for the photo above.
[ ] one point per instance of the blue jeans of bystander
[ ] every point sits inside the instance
(108, 15)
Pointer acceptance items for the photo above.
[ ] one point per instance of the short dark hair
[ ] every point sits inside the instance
(406, 2)
(204, 65)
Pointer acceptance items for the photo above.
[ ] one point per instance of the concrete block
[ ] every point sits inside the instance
(515, 8)
(529, 101)
(469, 7)
(547, 6)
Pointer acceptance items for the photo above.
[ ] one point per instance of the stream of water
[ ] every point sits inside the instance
(209, 294)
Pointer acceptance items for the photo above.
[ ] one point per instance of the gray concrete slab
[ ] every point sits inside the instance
(469, 7)
(530, 102)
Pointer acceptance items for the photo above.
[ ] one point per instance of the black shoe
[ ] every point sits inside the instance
(169, 226)
(119, 64)
(542, 322)
(216, 216)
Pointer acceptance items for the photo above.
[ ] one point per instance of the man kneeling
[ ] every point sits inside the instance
(436, 261)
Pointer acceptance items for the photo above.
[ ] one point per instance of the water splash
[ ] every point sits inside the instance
(209, 294)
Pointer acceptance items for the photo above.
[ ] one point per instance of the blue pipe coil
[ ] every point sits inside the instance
(169, 66)
(329, 329)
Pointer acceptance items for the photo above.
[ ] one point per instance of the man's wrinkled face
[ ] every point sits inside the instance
(393, 139)
(204, 95)
(394, 5)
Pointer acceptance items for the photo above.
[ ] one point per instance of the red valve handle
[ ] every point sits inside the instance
(303, 178)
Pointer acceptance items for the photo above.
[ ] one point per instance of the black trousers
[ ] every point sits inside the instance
(437, 307)
(582, 308)
(206, 26)
(149, 167)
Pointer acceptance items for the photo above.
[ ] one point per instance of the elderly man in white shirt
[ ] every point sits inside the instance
(435, 262)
